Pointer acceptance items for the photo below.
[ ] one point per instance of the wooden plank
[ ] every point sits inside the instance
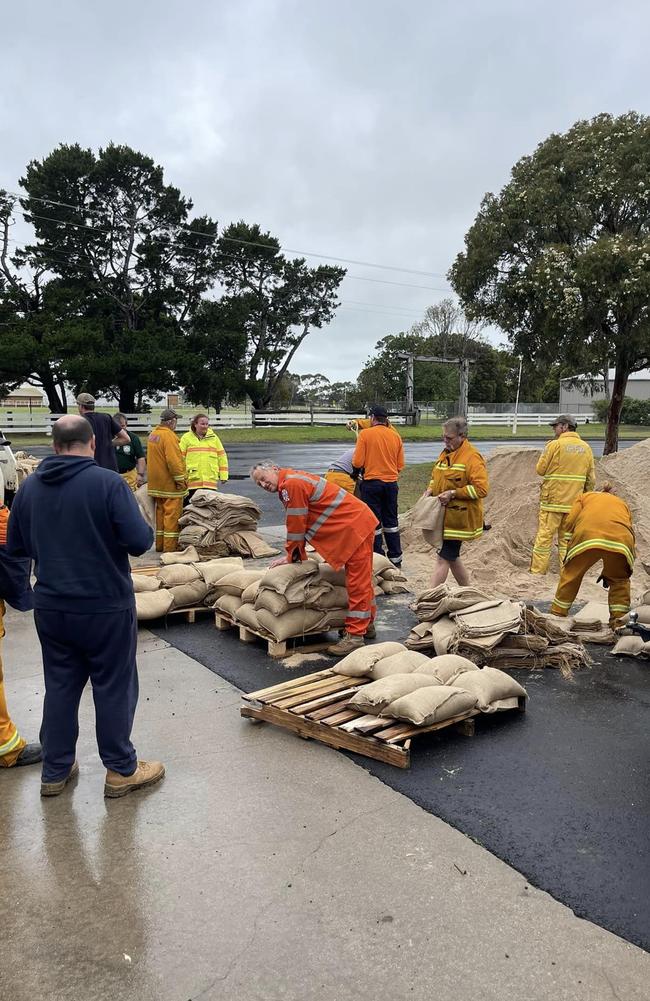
(246, 636)
(366, 724)
(320, 714)
(332, 736)
(344, 716)
(308, 689)
(285, 685)
(222, 622)
(302, 695)
(305, 708)
(412, 731)
(277, 648)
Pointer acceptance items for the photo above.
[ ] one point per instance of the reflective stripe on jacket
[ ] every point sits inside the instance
(166, 475)
(322, 514)
(600, 520)
(465, 472)
(206, 461)
(567, 468)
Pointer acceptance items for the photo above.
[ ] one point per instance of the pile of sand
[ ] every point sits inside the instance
(501, 557)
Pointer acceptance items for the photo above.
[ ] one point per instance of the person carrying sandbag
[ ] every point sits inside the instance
(341, 529)
(567, 468)
(599, 526)
(459, 480)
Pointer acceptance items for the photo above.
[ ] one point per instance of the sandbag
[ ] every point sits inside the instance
(247, 616)
(228, 603)
(429, 516)
(213, 570)
(153, 604)
(249, 543)
(489, 686)
(187, 555)
(377, 695)
(146, 505)
(431, 705)
(331, 576)
(380, 563)
(643, 614)
(189, 595)
(447, 667)
(177, 573)
(145, 582)
(594, 616)
(392, 573)
(295, 622)
(360, 663)
(280, 578)
(631, 646)
(334, 597)
(249, 594)
(334, 618)
(404, 662)
(271, 600)
(235, 583)
(393, 587)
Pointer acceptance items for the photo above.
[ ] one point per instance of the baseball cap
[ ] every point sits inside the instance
(168, 414)
(564, 419)
(379, 411)
(86, 400)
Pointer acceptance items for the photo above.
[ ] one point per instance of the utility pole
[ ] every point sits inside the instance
(514, 420)
(464, 387)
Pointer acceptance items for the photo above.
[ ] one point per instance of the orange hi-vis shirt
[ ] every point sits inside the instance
(600, 520)
(380, 453)
(327, 517)
(166, 475)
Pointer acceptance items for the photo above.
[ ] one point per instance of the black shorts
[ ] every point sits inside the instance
(450, 550)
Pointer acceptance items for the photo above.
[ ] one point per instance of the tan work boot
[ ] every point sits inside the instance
(56, 788)
(345, 645)
(371, 632)
(146, 774)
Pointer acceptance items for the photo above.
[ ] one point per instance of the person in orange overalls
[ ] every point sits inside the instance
(16, 590)
(167, 480)
(341, 529)
(599, 526)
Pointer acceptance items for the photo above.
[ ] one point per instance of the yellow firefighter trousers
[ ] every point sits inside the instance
(551, 523)
(616, 573)
(11, 743)
(168, 511)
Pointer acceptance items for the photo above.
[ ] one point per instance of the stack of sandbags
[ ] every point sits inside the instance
(222, 523)
(25, 465)
(179, 583)
(388, 579)
(493, 631)
(294, 599)
(629, 644)
(185, 584)
(421, 690)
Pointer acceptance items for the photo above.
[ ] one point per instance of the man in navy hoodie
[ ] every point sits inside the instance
(79, 522)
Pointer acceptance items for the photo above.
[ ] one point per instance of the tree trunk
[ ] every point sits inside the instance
(55, 399)
(619, 386)
(606, 387)
(127, 400)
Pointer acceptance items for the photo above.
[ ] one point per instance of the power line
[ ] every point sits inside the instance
(232, 239)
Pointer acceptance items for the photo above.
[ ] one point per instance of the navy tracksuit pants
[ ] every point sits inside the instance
(381, 498)
(99, 647)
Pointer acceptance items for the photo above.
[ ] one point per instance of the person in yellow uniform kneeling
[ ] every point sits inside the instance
(567, 468)
(600, 528)
(205, 457)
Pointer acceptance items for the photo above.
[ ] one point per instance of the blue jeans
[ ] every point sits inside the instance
(381, 498)
(99, 647)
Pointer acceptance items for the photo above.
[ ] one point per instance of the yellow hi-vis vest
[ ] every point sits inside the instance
(205, 460)
(567, 468)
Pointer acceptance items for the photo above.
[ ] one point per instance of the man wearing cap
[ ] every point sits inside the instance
(567, 468)
(167, 480)
(107, 431)
(380, 453)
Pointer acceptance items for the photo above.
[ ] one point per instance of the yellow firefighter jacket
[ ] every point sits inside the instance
(600, 520)
(465, 472)
(166, 475)
(567, 468)
(206, 461)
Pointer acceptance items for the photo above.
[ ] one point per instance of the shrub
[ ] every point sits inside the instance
(633, 411)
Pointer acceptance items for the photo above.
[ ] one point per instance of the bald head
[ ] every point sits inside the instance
(73, 435)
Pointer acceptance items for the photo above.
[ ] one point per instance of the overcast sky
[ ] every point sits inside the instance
(361, 129)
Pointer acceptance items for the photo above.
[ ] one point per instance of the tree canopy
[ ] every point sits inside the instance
(560, 259)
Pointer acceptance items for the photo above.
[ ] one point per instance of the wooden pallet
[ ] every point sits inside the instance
(316, 706)
(189, 614)
(275, 648)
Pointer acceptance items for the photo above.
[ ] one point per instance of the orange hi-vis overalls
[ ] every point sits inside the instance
(11, 743)
(341, 529)
(567, 468)
(167, 484)
(599, 526)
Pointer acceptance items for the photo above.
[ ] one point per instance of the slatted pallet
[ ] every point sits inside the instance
(275, 648)
(316, 706)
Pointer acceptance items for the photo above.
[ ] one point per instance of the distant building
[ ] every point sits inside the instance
(579, 392)
(24, 396)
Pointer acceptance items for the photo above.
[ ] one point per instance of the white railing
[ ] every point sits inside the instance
(277, 418)
(20, 423)
(506, 420)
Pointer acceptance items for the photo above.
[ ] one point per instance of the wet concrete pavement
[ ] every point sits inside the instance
(262, 867)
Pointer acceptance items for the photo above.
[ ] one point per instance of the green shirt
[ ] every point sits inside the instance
(128, 455)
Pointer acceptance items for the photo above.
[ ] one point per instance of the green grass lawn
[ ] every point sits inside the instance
(413, 481)
(304, 434)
